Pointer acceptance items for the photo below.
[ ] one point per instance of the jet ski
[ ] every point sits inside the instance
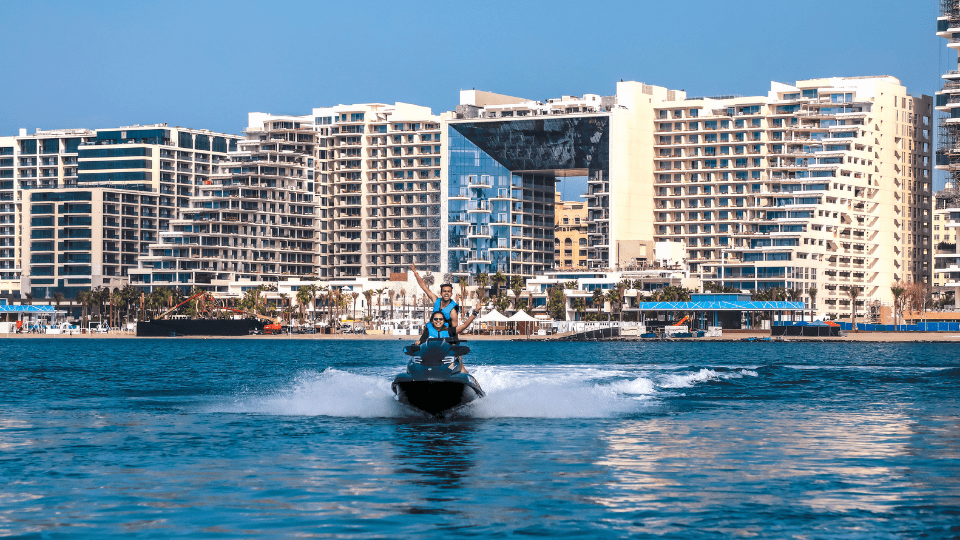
(435, 382)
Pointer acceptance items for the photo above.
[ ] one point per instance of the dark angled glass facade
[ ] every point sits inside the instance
(502, 185)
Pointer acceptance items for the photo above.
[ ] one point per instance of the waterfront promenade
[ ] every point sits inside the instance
(880, 337)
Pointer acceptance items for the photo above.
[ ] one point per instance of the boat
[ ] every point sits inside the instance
(435, 382)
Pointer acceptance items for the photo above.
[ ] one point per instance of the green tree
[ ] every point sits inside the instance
(597, 298)
(368, 295)
(482, 279)
(812, 293)
(304, 297)
(579, 305)
(555, 303)
(83, 298)
(502, 301)
(613, 296)
(498, 280)
(517, 288)
(462, 282)
(853, 292)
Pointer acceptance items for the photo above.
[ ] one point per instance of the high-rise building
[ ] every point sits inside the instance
(822, 184)
(504, 156)
(948, 98)
(91, 202)
(379, 189)
(946, 212)
(44, 160)
(252, 219)
(946, 228)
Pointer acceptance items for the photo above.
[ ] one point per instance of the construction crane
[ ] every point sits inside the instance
(174, 308)
(273, 326)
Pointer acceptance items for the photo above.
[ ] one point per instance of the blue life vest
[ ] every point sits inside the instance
(447, 311)
(434, 333)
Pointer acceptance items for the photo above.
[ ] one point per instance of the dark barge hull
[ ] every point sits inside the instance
(198, 327)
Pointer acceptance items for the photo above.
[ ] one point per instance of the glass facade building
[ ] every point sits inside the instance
(502, 183)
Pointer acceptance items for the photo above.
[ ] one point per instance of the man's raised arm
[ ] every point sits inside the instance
(423, 285)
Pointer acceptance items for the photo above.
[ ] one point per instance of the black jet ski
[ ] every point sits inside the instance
(435, 382)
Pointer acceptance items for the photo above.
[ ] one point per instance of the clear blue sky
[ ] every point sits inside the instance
(98, 64)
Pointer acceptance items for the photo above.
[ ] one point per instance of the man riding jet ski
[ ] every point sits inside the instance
(436, 381)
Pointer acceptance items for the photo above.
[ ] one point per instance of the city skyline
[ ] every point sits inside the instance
(350, 55)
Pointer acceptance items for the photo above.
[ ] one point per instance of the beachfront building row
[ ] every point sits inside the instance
(824, 184)
(819, 184)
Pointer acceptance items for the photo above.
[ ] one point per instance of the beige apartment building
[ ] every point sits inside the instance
(379, 189)
(570, 229)
(822, 184)
(252, 220)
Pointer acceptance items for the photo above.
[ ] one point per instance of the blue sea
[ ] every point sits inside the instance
(276, 438)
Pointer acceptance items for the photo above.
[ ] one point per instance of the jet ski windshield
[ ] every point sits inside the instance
(435, 380)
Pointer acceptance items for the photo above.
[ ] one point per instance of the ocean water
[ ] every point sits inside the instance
(274, 438)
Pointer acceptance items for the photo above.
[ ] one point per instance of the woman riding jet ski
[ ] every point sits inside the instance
(436, 381)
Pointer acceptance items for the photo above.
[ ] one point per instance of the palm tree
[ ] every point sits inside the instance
(613, 296)
(304, 296)
(502, 302)
(83, 298)
(115, 300)
(598, 300)
(812, 291)
(517, 288)
(498, 280)
(462, 282)
(579, 304)
(368, 295)
(379, 292)
(898, 289)
(794, 295)
(854, 292)
(391, 294)
(482, 279)
(356, 295)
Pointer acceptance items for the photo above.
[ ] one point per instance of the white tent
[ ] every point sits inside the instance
(493, 317)
(522, 316)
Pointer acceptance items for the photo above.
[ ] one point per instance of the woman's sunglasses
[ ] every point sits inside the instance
(437, 319)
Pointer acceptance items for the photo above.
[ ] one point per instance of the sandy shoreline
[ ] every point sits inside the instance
(878, 337)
